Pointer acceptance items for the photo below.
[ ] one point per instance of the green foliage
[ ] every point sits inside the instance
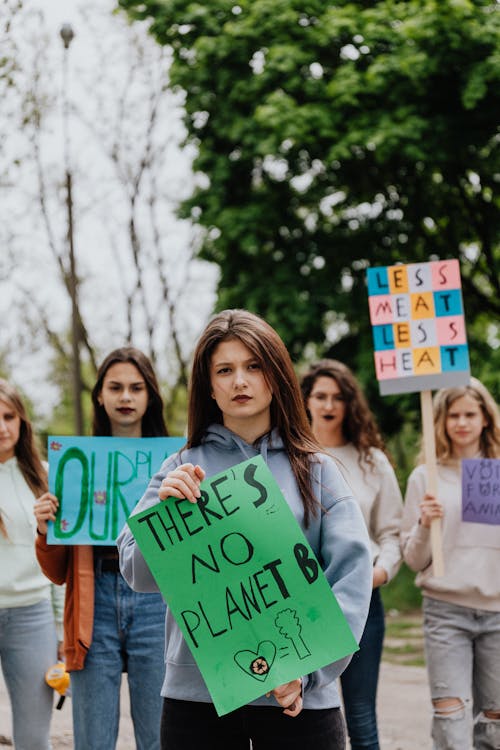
(401, 593)
(176, 411)
(62, 418)
(337, 136)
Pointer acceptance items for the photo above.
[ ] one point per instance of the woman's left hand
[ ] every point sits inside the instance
(290, 697)
(379, 576)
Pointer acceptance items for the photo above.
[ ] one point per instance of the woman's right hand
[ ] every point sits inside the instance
(45, 509)
(430, 508)
(289, 696)
(183, 482)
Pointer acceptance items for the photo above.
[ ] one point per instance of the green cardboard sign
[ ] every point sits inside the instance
(243, 585)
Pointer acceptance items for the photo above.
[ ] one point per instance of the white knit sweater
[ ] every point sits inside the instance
(22, 582)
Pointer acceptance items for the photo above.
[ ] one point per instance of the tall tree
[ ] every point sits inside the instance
(135, 267)
(10, 11)
(336, 136)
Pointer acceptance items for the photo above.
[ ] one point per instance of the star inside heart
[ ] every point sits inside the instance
(257, 663)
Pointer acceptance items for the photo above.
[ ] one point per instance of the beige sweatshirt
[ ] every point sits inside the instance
(377, 492)
(471, 551)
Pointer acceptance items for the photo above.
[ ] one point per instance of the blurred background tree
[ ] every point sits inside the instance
(102, 109)
(337, 136)
(331, 137)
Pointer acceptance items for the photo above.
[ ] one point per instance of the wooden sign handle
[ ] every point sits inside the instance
(429, 441)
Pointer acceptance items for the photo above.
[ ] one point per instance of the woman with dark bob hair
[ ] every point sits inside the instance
(108, 628)
(245, 401)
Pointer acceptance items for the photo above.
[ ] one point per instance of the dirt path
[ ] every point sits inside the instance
(403, 708)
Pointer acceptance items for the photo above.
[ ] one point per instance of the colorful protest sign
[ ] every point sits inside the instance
(98, 481)
(481, 490)
(243, 585)
(417, 316)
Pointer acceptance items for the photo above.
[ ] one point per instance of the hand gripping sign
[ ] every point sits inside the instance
(419, 337)
(243, 584)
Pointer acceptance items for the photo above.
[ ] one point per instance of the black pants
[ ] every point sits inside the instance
(186, 725)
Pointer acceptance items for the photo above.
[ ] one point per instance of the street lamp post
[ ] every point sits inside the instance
(67, 35)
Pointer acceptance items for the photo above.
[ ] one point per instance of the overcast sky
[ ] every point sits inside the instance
(97, 200)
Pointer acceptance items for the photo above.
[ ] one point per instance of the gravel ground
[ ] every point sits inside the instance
(403, 709)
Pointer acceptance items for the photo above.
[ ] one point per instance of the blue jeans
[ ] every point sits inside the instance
(462, 649)
(28, 647)
(129, 633)
(187, 725)
(359, 681)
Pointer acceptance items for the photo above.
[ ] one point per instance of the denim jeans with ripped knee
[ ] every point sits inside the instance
(462, 648)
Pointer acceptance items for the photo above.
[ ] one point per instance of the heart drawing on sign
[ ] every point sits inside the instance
(257, 663)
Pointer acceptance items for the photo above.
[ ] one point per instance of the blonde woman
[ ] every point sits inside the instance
(461, 608)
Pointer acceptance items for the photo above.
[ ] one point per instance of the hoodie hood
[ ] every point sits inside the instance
(224, 439)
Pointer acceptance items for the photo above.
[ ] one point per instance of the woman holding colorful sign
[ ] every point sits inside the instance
(462, 607)
(28, 640)
(343, 424)
(108, 628)
(245, 403)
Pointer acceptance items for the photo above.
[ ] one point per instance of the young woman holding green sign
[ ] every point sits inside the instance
(462, 607)
(108, 628)
(245, 401)
(343, 424)
(28, 640)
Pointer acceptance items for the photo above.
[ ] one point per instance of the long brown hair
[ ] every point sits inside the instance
(288, 415)
(153, 421)
(26, 449)
(490, 436)
(359, 426)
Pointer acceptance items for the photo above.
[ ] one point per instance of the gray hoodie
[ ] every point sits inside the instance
(338, 538)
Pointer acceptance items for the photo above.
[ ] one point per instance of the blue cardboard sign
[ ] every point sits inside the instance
(98, 481)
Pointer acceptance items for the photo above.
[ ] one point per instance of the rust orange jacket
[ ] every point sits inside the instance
(74, 566)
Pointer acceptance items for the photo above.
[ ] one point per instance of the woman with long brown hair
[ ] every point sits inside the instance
(108, 628)
(344, 425)
(244, 401)
(28, 602)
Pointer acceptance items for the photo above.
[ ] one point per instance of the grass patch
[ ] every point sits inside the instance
(401, 593)
(404, 642)
(396, 627)
(406, 648)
